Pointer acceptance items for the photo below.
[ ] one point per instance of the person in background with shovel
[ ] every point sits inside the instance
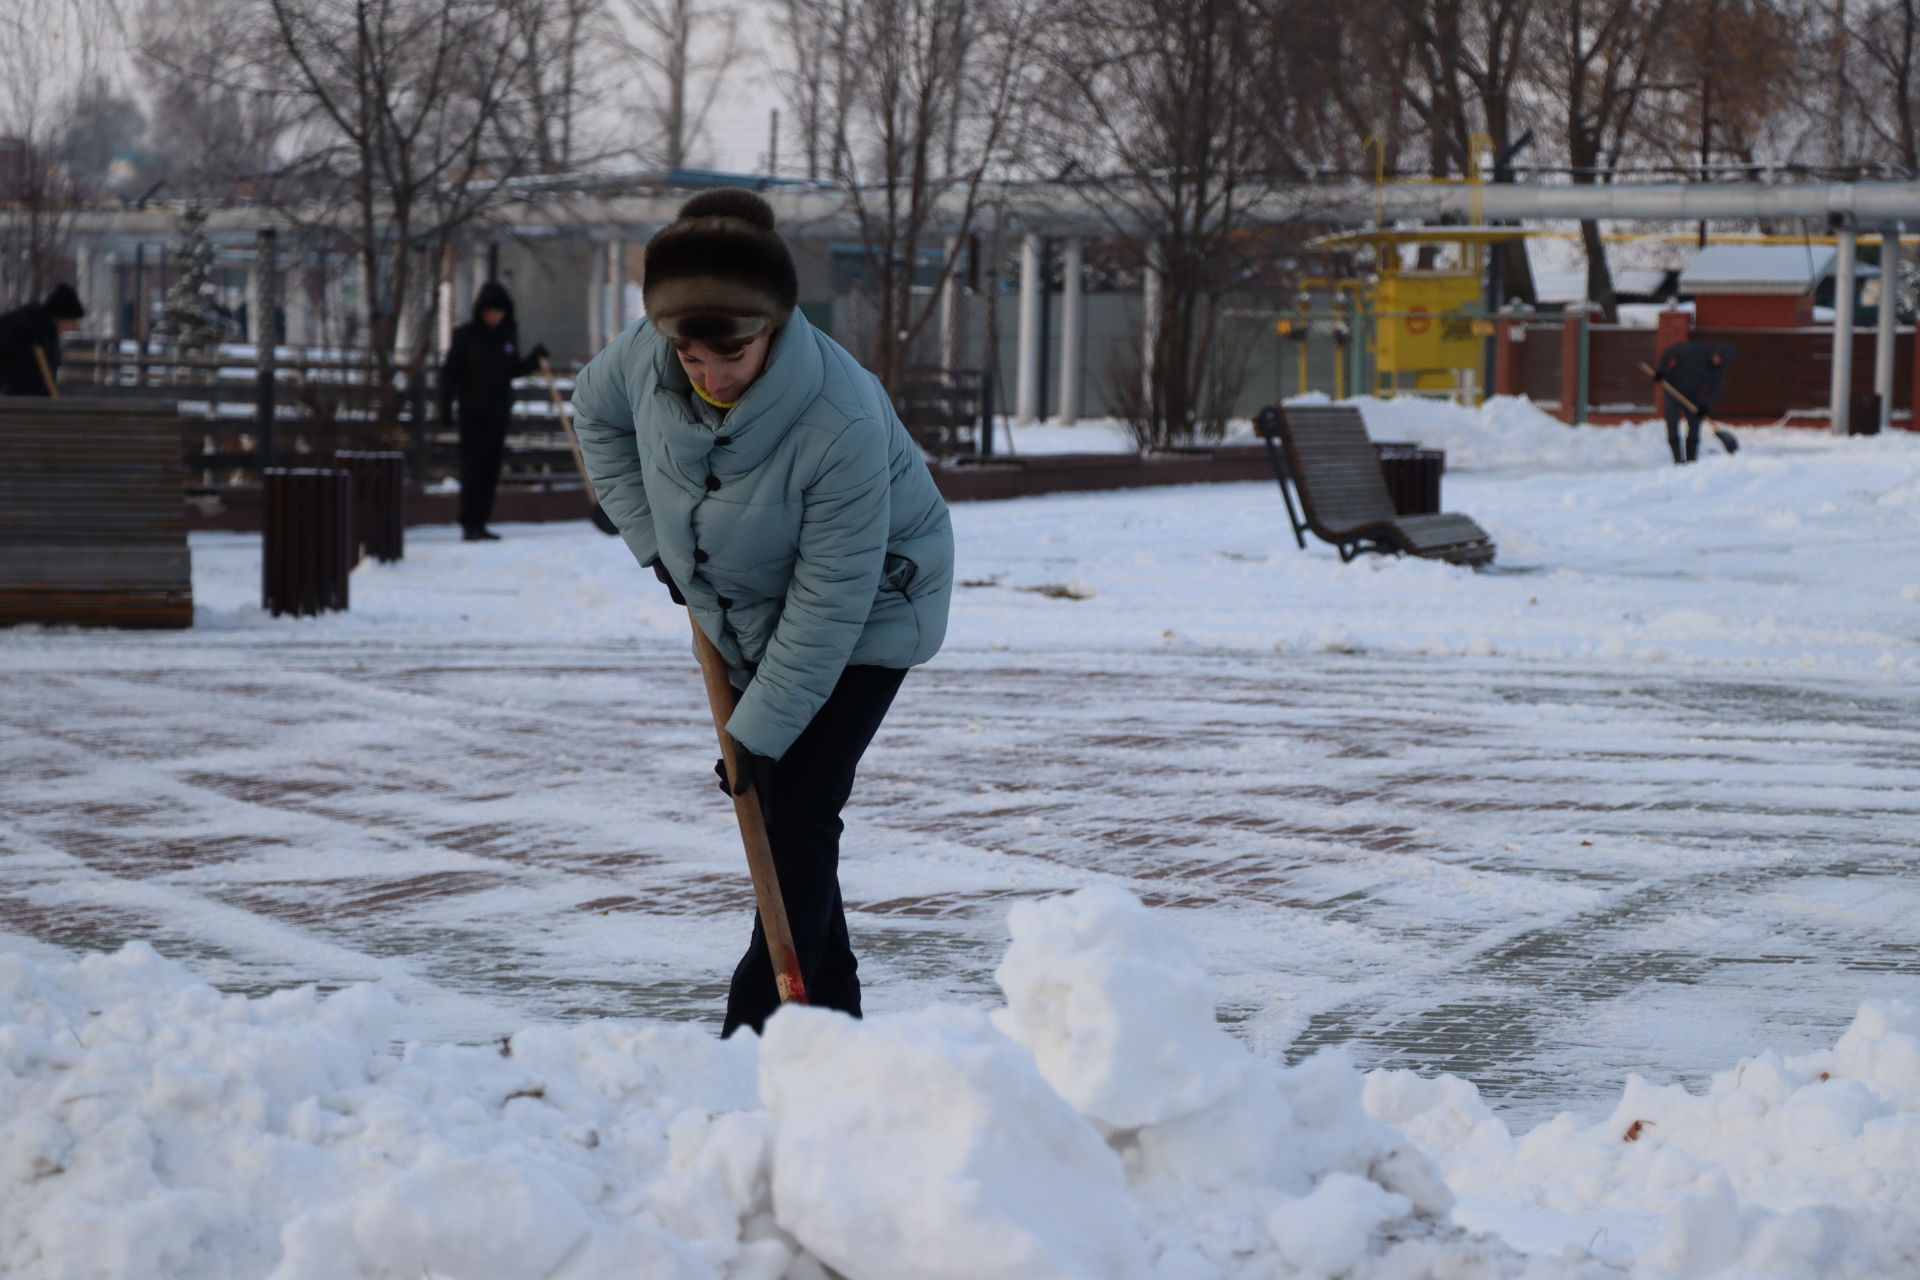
(1697, 371)
(763, 476)
(30, 342)
(482, 361)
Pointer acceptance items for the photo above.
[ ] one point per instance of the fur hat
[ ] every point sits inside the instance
(719, 271)
(64, 304)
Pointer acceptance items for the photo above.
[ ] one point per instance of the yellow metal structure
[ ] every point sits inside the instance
(1420, 320)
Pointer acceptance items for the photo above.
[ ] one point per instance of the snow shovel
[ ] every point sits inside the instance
(601, 520)
(753, 829)
(1726, 438)
(46, 372)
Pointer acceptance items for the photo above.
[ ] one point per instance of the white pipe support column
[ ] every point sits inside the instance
(1149, 323)
(1843, 285)
(616, 275)
(1072, 332)
(1026, 398)
(1883, 332)
(297, 299)
(950, 308)
(596, 296)
(86, 282)
(449, 299)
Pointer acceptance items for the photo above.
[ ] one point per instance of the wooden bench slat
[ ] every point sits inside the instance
(93, 530)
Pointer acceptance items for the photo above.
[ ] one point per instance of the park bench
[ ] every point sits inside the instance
(1322, 452)
(93, 526)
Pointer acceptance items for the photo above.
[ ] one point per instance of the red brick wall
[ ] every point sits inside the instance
(1614, 376)
(1536, 364)
(1775, 370)
(1753, 311)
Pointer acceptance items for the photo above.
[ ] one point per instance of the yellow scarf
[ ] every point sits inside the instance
(702, 393)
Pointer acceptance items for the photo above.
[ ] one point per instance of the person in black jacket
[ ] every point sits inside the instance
(482, 361)
(30, 335)
(1698, 371)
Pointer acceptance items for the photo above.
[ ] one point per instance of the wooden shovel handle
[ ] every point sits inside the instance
(1685, 403)
(566, 424)
(46, 371)
(753, 829)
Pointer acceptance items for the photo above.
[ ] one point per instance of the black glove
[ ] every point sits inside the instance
(756, 771)
(666, 580)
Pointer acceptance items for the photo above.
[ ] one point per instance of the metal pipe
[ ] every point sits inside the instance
(1056, 209)
(1837, 407)
(1026, 397)
(1889, 317)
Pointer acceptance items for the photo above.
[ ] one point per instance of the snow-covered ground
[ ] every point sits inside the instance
(1621, 829)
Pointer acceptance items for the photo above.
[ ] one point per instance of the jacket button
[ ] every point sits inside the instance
(723, 602)
(723, 440)
(713, 482)
(699, 556)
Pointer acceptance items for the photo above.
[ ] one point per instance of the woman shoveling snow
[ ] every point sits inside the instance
(763, 475)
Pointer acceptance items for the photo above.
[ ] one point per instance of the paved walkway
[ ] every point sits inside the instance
(1537, 876)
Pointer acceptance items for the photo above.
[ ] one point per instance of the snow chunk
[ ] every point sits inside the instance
(1117, 1013)
(928, 1145)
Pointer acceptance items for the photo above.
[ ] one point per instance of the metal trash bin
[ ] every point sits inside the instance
(379, 502)
(1863, 414)
(1412, 475)
(307, 541)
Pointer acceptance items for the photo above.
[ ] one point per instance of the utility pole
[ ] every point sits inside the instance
(773, 143)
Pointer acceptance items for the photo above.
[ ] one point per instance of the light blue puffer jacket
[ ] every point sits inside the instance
(806, 532)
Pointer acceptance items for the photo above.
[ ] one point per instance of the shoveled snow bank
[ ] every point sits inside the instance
(1101, 1125)
(1505, 433)
(1511, 433)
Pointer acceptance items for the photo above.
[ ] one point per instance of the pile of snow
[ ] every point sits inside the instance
(1101, 1125)
(1506, 433)
(1511, 433)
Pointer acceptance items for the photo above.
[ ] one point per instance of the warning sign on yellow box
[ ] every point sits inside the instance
(1419, 321)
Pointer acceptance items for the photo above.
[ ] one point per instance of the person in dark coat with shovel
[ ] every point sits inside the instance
(1698, 372)
(30, 342)
(763, 476)
(482, 361)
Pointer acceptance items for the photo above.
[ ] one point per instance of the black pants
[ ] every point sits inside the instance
(811, 783)
(483, 444)
(1692, 453)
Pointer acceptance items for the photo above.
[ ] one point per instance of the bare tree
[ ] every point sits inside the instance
(46, 47)
(1597, 67)
(1157, 117)
(683, 48)
(412, 117)
(101, 128)
(1735, 66)
(563, 70)
(1334, 88)
(1466, 56)
(224, 114)
(1888, 37)
(920, 101)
